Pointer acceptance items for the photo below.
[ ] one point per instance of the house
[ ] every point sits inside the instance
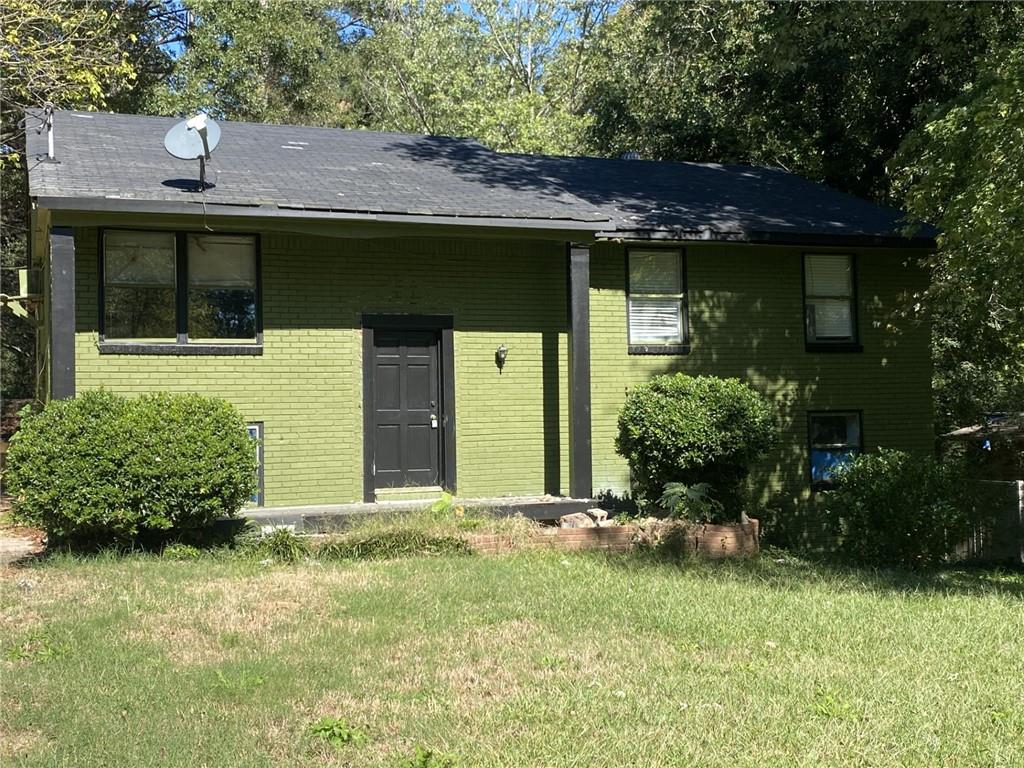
(395, 314)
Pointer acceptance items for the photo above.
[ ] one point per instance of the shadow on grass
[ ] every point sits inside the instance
(224, 536)
(783, 571)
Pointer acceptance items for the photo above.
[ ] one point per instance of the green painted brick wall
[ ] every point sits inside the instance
(307, 385)
(746, 320)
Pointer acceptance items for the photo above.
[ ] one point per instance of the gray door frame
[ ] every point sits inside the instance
(444, 326)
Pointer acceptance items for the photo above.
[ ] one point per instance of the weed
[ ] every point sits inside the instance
(394, 542)
(337, 732)
(830, 705)
(182, 552)
(282, 546)
(243, 682)
(38, 646)
(426, 758)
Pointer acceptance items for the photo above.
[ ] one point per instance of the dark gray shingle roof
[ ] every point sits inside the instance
(288, 168)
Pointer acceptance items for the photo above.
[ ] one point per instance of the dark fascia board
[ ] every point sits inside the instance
(211, 209)
(821, 240)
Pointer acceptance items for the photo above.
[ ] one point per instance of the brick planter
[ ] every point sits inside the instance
(617, 538)
(732, 540)
(714, 541)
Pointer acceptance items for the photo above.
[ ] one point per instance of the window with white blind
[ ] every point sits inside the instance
(657, 302)
(829, 299)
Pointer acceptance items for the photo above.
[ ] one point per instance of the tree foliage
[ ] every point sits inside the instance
(964, 170)
(264, 62)
(73, 55)
(827, 90)
(507, 72)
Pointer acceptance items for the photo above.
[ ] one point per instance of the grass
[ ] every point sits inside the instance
(529, 660)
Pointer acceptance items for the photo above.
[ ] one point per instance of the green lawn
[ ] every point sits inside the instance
(532, 660)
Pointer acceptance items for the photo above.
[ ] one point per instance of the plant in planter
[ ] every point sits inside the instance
(700, 432)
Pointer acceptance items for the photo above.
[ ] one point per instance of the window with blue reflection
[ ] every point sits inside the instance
(835, 439)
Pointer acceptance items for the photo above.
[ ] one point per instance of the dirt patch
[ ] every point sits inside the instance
(17, 743)
(211, 621)
(19, 543)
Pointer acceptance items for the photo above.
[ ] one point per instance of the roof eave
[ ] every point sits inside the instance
(816, 239)
(218, 211)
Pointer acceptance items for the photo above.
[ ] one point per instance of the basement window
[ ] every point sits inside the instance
(835, 439)
(830, 302)
(179, 293)
(255, 430)
(656, 302)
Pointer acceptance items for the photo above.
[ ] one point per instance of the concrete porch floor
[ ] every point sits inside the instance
(323, 518)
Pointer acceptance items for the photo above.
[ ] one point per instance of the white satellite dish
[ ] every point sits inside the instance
(194, 139)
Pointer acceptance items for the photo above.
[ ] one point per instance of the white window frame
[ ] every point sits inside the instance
(648, 347)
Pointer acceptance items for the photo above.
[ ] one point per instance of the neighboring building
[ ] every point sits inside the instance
(394, 311)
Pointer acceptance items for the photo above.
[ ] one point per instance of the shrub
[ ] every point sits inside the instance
(893, 508)
(692, 430)
(104, 467)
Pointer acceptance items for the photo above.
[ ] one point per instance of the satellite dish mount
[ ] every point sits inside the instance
(194, 139)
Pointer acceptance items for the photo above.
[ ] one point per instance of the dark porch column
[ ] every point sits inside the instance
(62, 313)
(581, 473)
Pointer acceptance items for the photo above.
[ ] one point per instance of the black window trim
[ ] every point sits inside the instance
(181, 344)
(826, 485)
(840, 345)
(682, 348)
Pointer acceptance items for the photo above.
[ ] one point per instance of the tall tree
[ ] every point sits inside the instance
(70, 54)
(828, 90)
(507, 72)
(264, 61)
(964, 170)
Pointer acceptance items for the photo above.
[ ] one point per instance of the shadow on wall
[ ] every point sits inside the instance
(760, 341)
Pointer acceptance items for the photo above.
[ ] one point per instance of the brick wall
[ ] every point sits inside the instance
(307, 385)
(746, 319)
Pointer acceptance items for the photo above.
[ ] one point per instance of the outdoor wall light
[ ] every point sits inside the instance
(499, 357)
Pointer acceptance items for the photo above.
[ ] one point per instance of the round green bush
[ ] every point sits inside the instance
(101, 466)
(895, 508)
(694, 429)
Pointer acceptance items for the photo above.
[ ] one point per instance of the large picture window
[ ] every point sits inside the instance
(221, 287)
(139, 285)
(835, 439)
(657, 302)
(829, 299)
(176, 288)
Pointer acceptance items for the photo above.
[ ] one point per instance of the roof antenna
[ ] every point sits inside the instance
(194, 139)
(47, 124)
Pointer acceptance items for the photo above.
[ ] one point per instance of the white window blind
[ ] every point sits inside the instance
(221, 262)
(828, 289)
(655, 297)
(828, 275)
